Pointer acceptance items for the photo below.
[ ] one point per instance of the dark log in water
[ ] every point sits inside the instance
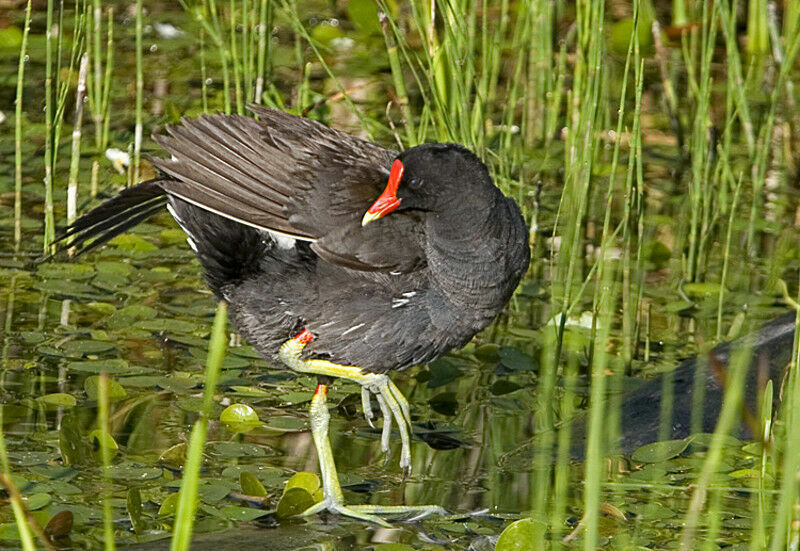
(702, 376)
(641, 408)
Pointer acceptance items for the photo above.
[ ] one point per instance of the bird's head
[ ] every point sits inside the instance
(427, 178)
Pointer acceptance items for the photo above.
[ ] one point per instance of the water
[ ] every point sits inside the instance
(138, 310)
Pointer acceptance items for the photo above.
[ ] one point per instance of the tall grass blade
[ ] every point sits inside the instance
(187, 502)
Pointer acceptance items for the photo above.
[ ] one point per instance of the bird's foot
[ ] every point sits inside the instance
(368, 513)
(394, 406)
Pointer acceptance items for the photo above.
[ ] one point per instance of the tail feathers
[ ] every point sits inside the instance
(113, 217)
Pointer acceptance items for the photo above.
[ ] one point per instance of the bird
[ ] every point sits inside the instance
(337, 257)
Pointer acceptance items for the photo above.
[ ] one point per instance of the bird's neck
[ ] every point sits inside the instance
(471, 252)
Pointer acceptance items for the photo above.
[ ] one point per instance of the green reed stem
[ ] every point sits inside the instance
(235, 61)
(187, 504)
(105, 456)
(264, 48)
(727, 255)
(790, 464)
(734, 382)
(203, 72)
(13, 494)
(18, 129)
(736, 83)
(397, 78)
(107, 74)
(137, 139)
(595, 448)
(74, 162)
(757, 35)
(49, 222)
(95, 97)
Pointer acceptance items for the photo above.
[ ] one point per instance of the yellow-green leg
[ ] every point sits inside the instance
(393, 405)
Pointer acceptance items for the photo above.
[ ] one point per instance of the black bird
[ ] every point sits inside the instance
(289, 221)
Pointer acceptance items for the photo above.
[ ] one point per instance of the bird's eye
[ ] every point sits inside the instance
(414, 183)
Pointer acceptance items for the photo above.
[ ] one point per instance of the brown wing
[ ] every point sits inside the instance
(291, 175)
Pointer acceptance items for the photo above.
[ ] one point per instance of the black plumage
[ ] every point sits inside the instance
(273, 209)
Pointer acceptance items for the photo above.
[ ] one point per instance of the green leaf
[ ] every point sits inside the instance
(166, 324)
(169, 506)
(444, 403)
(242, 514)
(523, 535)
(251, 486)
(80, 348)
(101, 439)
(659, 451)
(249, 391)
(115, 390)
(37, 501)
(129, 242)
(503, 386)
(130, 471)
(293, 502)
(303, 480)
(240, 418)
(488, 353)
(515, 359)
(112, 366)
(65, 270)
(58, 399)
(213, 492)
(134, 506)
(701, 290)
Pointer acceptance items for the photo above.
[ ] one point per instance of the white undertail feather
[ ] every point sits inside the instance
(282, 240)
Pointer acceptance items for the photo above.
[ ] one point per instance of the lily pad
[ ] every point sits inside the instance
(37, 501)
(515, 359)
(249, 391)
(81, 348)
(57, 400)
(251, 486)
(522, 535)
(167, 324)
(293, 502)
(169, 505)
(64, 270)
(242, 514)
(240, 418)
(132, 471)
(213, 492)
(115, 390)
(660, 451)
(305, 480)
(112, 366)
(236, 449)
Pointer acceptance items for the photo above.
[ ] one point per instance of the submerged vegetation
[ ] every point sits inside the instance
(653, 148)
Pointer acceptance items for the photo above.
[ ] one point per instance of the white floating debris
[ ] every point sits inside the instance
(584, 321)
(119, 159)
(342, 43)
(167, 30)
(2, 117)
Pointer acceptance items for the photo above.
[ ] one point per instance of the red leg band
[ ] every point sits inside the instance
(304, 337)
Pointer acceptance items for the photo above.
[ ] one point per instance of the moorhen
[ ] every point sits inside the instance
(289, 221)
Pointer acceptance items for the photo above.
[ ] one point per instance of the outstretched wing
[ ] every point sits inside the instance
(294, 176)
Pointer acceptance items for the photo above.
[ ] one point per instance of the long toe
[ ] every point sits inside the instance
(409, 513)
(341, 509)
(369, 513)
